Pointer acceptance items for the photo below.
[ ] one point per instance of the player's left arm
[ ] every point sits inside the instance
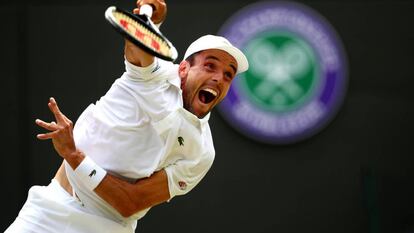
(127, 198)
(133, 53)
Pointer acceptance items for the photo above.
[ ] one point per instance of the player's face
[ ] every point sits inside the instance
(207, 81)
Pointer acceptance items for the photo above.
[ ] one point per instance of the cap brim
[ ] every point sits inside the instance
(242, 62)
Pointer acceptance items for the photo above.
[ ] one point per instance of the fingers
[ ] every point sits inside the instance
(136, 11)
(63, 123)
(59, 116)
(46, 136)
(52, 126)
(55, 110)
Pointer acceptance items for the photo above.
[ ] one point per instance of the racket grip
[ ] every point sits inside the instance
(146, 10)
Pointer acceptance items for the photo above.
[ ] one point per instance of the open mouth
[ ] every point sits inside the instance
(207, 95)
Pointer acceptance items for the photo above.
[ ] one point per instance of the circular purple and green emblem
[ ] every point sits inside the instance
(297, 77)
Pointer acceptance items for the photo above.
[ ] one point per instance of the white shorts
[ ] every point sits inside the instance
(50, 209)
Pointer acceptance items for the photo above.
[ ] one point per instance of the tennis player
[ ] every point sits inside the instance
(144, 142)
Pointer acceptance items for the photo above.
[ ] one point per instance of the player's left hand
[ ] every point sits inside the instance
(61, 131)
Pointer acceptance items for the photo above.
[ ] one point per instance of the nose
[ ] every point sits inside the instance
(218, 77)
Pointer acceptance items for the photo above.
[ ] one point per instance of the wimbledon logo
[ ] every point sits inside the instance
(297, 75)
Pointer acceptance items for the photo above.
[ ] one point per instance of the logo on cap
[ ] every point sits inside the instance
(297, 76)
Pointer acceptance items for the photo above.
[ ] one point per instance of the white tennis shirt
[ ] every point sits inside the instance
(138, 127)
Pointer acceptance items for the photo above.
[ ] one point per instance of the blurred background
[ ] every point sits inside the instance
(356, 175)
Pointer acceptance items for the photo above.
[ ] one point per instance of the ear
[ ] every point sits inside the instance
(183, 69)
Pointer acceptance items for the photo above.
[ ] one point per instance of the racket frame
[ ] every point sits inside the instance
(146, 22)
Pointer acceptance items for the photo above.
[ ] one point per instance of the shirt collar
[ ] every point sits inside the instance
(193, 118)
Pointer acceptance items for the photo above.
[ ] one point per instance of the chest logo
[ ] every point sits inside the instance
(181, 141)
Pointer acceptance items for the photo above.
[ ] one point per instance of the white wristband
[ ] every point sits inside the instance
(90, 173)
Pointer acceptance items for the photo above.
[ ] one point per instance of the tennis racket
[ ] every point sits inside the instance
(141, 31)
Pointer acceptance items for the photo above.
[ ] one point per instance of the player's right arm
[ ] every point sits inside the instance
(134, 54)
(127, 198)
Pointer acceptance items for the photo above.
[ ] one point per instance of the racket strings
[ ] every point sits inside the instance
(143, 34)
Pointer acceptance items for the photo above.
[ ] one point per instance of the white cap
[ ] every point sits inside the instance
(221, 43)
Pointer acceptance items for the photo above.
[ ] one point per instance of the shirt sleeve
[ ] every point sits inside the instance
(184, 175)
(141, 73)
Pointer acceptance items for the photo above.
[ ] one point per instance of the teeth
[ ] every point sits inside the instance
(211, 91)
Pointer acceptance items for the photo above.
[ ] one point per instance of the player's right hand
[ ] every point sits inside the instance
(159, 6)
(61, 131)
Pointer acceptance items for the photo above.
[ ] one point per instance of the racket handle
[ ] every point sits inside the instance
(146, 10)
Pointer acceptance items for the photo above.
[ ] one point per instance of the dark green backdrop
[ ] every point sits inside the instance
(355, 176)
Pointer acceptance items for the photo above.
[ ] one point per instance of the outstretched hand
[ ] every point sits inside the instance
(61, 131)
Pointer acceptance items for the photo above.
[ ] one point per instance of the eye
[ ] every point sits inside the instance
(210, 66)
(229, 75)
